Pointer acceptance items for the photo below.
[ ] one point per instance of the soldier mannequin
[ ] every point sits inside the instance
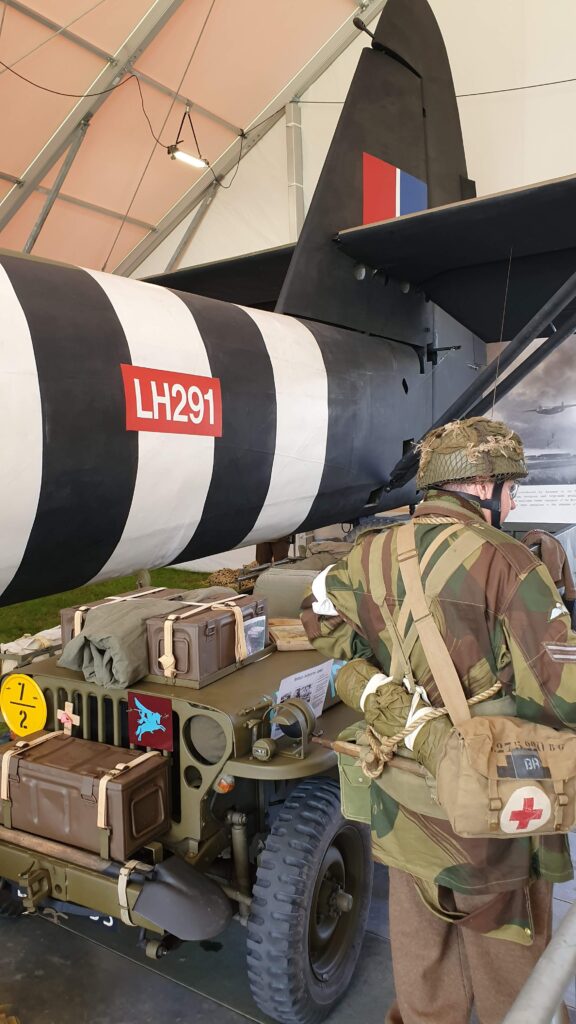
(469, 918)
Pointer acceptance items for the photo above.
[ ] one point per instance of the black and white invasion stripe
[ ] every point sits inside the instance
(304, 439)
(80, 464)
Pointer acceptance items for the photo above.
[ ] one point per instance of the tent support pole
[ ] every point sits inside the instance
(58, 182)
(295, 169)
(201, 210)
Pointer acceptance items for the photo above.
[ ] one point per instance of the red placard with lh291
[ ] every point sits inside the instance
(172, 403)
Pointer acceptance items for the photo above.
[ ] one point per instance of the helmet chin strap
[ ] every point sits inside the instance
(494, 504)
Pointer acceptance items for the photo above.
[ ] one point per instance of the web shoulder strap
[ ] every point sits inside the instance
(461, 549)
(435, 650)
(399, 662)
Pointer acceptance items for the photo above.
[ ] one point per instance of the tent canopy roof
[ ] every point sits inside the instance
(234, 64)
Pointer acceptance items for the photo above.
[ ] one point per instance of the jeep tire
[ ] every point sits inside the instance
(310, 906)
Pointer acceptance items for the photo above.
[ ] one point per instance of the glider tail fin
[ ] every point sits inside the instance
(397, 148)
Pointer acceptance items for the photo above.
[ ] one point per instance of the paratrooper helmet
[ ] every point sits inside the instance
(474, 449)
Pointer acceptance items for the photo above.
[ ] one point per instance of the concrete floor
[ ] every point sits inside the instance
(51, 975)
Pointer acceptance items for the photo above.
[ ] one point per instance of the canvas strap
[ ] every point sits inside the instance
(437, 656)
(240, 648)
(80, 613)
(20, 748)
(16, 751)
(445, 567)
(399, 664)
(426, 559)
(401, 648)
(119, 769)
(168, 659)
(123, 880)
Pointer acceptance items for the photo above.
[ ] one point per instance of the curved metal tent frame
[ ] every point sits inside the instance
(82, 179)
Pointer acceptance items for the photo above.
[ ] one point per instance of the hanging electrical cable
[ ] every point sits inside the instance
(467, 95)
(53, 35)
(172, 149)
(515, 88)
(147, 164)
(176, 153)
(59, 92)
(129, 77)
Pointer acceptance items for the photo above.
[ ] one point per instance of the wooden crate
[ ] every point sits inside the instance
(289, 635)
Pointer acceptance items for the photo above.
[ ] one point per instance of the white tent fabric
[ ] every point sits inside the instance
(514, 75)
(119, 202)
(135, 68)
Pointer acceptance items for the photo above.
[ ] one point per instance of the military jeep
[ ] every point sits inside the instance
(256, 833)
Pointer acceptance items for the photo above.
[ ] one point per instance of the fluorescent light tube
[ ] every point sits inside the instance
(186, 158)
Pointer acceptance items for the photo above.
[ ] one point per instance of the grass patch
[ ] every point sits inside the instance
(43, 612)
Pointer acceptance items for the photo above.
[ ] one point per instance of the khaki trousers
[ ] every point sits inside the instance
(441, 970)
(273, 551)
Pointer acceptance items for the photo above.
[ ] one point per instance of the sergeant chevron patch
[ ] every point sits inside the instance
(561, 652)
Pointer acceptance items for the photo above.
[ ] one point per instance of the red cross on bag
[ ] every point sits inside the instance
(526, 810)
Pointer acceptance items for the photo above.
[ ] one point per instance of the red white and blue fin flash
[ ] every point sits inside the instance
(388, 191)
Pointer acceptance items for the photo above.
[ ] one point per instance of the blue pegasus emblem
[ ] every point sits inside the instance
(148, 721)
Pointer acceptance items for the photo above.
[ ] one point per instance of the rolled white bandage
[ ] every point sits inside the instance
(322, 605)
(373, 684)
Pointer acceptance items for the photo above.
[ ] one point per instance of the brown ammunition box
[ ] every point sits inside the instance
(68, 615)
(54, 789)
(203, 643)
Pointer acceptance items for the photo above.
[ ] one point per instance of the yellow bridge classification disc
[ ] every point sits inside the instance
(23, 704)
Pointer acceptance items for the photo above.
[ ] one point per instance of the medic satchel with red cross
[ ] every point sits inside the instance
(498, 776)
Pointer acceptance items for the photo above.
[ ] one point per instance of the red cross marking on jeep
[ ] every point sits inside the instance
(526, 814)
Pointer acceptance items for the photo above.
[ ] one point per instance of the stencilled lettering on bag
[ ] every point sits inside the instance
(528, 746)
(523, 764)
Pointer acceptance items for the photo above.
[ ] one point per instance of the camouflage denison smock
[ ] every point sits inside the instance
(502, 619)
